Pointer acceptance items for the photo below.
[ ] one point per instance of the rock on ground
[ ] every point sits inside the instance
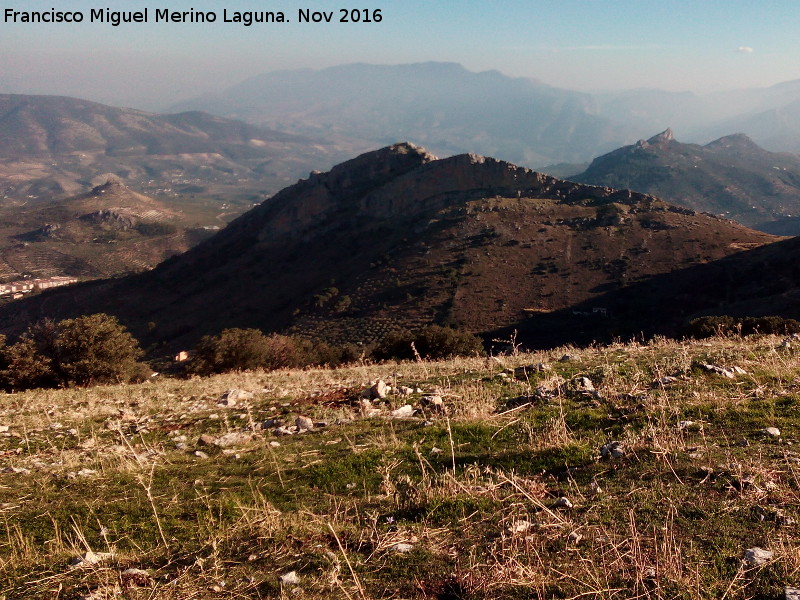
(757, 556)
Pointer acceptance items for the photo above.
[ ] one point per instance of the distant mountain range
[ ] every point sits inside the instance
(442, 105)
(54, 147)
(731, 177)
(452, 110)
(770, 116)
(396, 239)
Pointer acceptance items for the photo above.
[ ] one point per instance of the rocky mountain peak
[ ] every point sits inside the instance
(662, 138)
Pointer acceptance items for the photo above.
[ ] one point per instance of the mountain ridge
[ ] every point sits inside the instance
(732, 177)
(397, 239)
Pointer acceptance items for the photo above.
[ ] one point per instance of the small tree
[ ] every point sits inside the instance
(95, 349)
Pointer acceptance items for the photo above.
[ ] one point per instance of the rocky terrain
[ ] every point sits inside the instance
(397, 239)
(731, 177)
(663, 470)
(52, 147)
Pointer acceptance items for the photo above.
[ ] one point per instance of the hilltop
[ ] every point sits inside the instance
(623, 471)
(396, 239)
(108, 231)
(732, 177)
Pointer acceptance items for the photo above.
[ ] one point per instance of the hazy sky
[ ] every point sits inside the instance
(577, 44)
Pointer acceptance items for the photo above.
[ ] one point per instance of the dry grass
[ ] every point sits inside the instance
(457, 505)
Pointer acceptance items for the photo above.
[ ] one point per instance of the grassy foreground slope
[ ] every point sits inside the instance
(169, 490)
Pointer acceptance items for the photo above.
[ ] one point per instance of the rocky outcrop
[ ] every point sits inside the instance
(403, 181)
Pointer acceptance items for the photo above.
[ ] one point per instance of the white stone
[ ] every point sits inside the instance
(91, 558)
(563, 502)
(289, 578)
(757, 556)
(304, 423)
(403, 411)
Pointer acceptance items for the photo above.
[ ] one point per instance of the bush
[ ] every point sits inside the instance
(241, 350)
(709, 326)
(95, 349)
(88, 350)
(432, 342)
(247, 349)
(25, 368)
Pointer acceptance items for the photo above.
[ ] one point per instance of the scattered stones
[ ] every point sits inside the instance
(728, 373)
(581, 385)
(4, 428)
(772, 432)
(16, 470)
(304, 423)
(289, 578)
(402, 548)
(614, 449)
(757, 556)
(522, 373)
(792, 593)
(404, 390)
(272, 423)
(563, 502)
(378, 391)
(206, 439)
(90, 558)
(433, 403)
(274, 444)
(402, 412)
(200, 454)
(231, 397)
(685, 424)
(234, 438)
(569, 358)
(282, 430)
(662, 381)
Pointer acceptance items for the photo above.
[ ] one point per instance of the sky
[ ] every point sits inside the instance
(585, 45)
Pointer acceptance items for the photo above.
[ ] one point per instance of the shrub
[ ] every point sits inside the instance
(432, 342)
(95, 349)
(247, 349)
(709, 326)
(25, 368)
(88, 350)
(243, 349)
